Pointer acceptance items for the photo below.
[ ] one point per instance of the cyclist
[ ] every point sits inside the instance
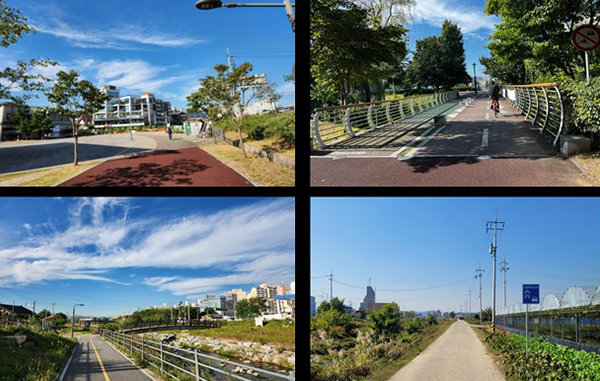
(494, 91)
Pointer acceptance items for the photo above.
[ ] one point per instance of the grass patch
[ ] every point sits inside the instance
(41, 357)
(266, 144)
(591, 162)
(259, 169)
(45, 177)
(274, 332)
(425, 339)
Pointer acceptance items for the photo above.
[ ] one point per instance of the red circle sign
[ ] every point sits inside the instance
(586, 37)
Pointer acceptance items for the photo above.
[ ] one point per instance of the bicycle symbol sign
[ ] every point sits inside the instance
(586, 37)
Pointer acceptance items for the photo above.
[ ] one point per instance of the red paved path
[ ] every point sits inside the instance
(180, 167)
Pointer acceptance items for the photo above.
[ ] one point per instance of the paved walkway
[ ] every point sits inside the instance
(94, 360)
(457, 355)
(520, 156)
(26, 156)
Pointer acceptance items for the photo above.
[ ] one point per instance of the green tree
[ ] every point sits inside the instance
(382, 13)
(13, 25)
(75, 98)
(225, 93)
(337, 304)
(509, 72)
(61, 319)
(452, 315)
(452, 55)
(251, 307)
(42, 314)
(385, 321)
(347, 53)
(486, 315)
(22, 120)
(41, 123)
(324, 306)
(540, 31)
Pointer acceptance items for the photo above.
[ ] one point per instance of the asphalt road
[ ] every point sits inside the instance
(457, 355)
(102, 364)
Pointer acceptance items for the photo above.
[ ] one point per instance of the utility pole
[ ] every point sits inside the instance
(493, 225)
(469, 301)
(479, 274)
(330, 285)
(504, 268)
(53, 304)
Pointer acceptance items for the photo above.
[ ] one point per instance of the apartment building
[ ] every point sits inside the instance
(131, 111)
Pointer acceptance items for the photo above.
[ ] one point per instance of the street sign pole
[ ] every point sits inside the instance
(587, 68)
(526, 329)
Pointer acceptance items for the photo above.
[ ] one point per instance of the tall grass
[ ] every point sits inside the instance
(40, 358)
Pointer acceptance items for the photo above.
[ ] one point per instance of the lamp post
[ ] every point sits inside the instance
(474, 79)
(73, 318)
(212, 4)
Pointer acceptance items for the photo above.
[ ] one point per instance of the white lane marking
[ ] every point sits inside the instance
(485, 137)
(487, 115)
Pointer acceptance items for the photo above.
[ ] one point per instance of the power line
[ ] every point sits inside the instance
(408, 289)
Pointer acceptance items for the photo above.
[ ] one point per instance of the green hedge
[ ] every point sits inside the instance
(582, 102)
(280, 126)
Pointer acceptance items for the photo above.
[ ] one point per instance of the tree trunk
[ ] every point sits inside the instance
(367, 90)
(239, 126)
(75, 134)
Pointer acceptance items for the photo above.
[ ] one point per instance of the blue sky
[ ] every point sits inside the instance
(115, 254)
(159, 46)
(410, 243)
(429, 15)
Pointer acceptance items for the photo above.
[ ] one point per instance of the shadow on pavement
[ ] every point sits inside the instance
(179, 172)
(16, 159)
(427, 164)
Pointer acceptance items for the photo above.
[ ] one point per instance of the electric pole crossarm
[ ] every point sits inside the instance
(495, 226)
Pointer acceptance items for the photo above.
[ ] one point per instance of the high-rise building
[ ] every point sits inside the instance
(369, 298)
(131, 111)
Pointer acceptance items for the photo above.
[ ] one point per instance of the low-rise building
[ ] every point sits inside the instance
(131, 111)
(216, 302)
(8, 129)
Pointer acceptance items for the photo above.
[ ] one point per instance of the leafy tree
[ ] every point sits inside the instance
(347, 53)
(22, 119)
(224, 92)
(452, 56)
(61, 319)
(334, 323)
(324, 306)
(251, 307)
(385, 321)
(209, 311)
(386, 12)
(41, 123)
(13, 25)
(431, 319)
(452, 315)
(509, 72)
(486, 314)
(75, 98)
(540, 31)
(337, 304)
(42, 314)
(413, 326)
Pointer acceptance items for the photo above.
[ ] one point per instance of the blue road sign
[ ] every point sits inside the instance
(531, 294)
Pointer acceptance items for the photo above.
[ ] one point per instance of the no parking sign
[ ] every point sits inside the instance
(586, 37)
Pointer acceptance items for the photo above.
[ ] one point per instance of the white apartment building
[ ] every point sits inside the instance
(131, 111)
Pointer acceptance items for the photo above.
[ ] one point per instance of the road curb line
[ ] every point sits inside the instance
(147, 372)
(579, 165)
(66, 366)
(254, 183)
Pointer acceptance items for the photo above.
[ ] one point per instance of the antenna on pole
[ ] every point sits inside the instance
(495, 226)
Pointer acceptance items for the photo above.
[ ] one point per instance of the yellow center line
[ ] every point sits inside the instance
(100, 361)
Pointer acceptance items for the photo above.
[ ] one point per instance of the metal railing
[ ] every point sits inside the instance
(541, 104)
(149, 325)
(171, 360)
(334, 124)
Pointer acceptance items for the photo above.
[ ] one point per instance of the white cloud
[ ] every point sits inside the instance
(469, 18)
(114, 38)
(248, 244)
(286, 88)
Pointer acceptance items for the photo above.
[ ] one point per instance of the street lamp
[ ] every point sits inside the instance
(474, 79)
(212, 4)
(73, 318)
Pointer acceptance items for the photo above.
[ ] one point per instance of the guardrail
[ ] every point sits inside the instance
(169, 359)
(173, 323)
(334, 124)
(541, 104)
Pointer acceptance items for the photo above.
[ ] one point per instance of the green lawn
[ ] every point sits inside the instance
(39, 358)
(274, 332)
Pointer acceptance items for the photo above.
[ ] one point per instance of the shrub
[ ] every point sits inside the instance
(582, 100)
(413, 326)
(386, 321)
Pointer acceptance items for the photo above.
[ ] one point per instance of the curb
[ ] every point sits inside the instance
(66, 366)
(254, 183)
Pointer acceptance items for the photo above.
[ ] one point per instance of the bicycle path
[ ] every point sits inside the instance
(457, 355)
(94, 360)
(177, 162)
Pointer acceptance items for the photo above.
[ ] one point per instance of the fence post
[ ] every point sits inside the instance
(196, 363)
(528, 104)
(316, 132)
(547, 109)
(537, 105)
(401, 110)
(370, 116)
(143, 350)
(387, 113)
(348, 129)
(161, 357)
(562, 116)
(420, 106)
(412, 107)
